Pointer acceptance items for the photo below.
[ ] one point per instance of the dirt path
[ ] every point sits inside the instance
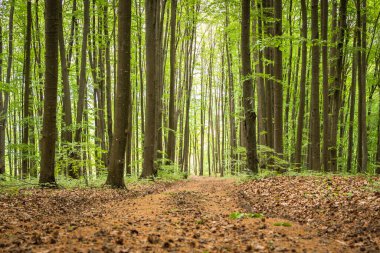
(191, 216)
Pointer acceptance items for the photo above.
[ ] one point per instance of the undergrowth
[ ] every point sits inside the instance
(266, 173)
(11, 185)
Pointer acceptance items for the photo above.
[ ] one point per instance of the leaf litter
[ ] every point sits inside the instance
(195, 216)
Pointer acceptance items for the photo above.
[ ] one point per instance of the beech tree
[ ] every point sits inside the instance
(250, 116)
(122, 98)
(315, 162)
(49, 129)
(151, 82)
(173, 48)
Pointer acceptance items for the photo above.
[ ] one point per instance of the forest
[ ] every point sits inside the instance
(190, 126)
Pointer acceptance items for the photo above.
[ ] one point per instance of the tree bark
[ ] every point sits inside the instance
(278, 91)
(362, 72)
(108, 78)
(352, 106)
(27, 106)
(248, 102)
(49, 130)
(338, 84)
(82, 79)
(151, 82)
(122, 98)
(67, 135)
(5, 95)
(326, 127)
(171, 133)
(231, 96)
(2, 146)
(315, 160)
(301, 113)
(377, 170)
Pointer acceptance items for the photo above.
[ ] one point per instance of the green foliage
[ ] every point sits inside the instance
(282, 224)
(373, 184)
(238, 215)
(171, 173)
(200, 222)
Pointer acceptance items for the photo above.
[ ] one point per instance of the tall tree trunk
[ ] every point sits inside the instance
(352, 106)
(122, 98)
(159, 82)
(315, 160)
(190, 71)
(5, 95)
(203, 119)
(27, 106)
(82, 80)
(248, 99)
(2, 151)
(377, 171)
(67, 136)
(267, 13)
(301, 113)
(326, 127)
(171, 133)
(108, 78)
(151, 82)
(231, 96)
(49, 130)
(140, 49)
(278, 91)
(338, 83)
(289, 75)
(101, 82)
(362, 81)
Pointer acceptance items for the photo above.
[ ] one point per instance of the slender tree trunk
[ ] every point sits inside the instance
(171, 133)
(289, 74)
(140, 49)
(326, 127)
(5, 95)
(49, 130)
(2, 129)
(352, 106)
(73, 29)
(278, 91)
(159, 15)
(101, 82)
(210, 144)
(267, 13)
(338, 84)
(301, 113)
(378, 145)
(108, 78)
(150, 116)
(82, 77)
(27, 106)
(203, 119)
(315, 162)
(362, 79)
(248, 99)
(122, 98)
(67, 136)
(231, 96)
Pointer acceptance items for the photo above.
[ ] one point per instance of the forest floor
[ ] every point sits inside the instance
(302, 214)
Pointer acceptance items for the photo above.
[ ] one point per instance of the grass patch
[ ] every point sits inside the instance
(238, 215)
(11, 185)
(282, 224)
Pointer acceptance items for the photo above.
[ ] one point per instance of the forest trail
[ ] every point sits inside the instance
(188, 216)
